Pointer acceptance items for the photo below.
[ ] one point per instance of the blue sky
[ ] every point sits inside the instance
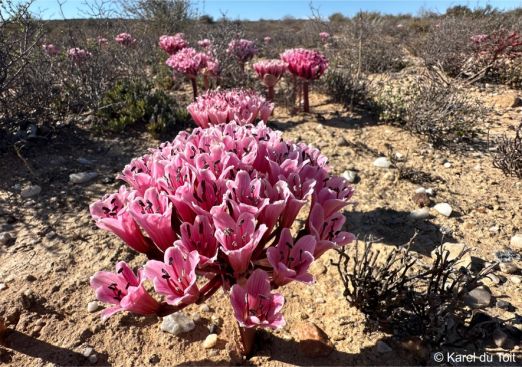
(274, 9)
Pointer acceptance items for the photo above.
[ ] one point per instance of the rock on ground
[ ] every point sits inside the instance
(177, 323)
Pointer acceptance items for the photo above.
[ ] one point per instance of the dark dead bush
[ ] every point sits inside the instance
(400, 294)
(508, 157)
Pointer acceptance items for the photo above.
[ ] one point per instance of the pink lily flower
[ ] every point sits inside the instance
(291, 261)
(137, 174)
(238, 238)
(110, 213)
(123, 289)
(153, 212)
(175, 277)
(254, 305)
(200, 237)
(327, 231)
(334, 195)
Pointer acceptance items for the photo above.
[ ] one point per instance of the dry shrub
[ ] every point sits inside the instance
(444, 114)
(400, 294)
(509, 154)
(344, 87)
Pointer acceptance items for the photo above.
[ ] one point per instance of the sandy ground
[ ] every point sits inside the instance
(57, 247)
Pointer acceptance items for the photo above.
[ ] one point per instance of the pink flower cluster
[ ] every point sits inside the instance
(50, 49)
(270, 71)
(125, 39)
(172, 44)
(102, 41)
(219, 203)
(479, 38)
(267, 40)
(188, 61)
(325, 36)
(78, 55)
(216, 107)
(242, 49)
(306, 64)
(204, 43)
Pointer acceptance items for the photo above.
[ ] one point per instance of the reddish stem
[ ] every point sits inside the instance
(194, 87)
(306, 104)
(271, 93)
(248, 336)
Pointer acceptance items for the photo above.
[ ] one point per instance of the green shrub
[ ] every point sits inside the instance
(130, 103)
(345, 88)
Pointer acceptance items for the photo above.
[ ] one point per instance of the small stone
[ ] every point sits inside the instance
(304, 316)
(478, 298)
(30, 278)
(382, 347)
(444, 209)
(50, 235)
(85, 161)
(82, 177)
(507, 256)
(154, 359)
(421, 213)
(516, 279)
(93, 358)
(3, 286)
(447, 165)
(516, 241)
(216, 320)
(382, 162)
(420, 190)
(212, 328)
(501, 339)
(313, 341)
(30, 191)
(6, 239)
(349, 176)
(204, 308)
(93, 306)
(341, 142)
(87, 352)
(177, 323)
(504, 305)
(508, 268)
(210, 341)
(421, 199)
(430, 192)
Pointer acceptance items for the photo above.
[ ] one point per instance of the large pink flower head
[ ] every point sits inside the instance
(242, 49)
(50, 49)
(304, 63)
(270, 71)
(125, 39)
(172, 44)
(188, 61)
(78, 55)
(221, 106)
(218, 203)
(325, 36)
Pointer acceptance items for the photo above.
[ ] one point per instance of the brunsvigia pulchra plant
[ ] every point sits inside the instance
(190, 63)
(306, 65)
(218, 204)
(244, 106)
(270, 72)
